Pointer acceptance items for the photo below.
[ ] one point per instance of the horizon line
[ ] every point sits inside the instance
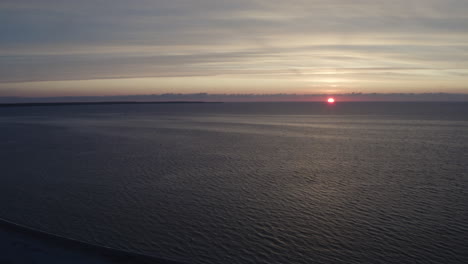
(240, 97)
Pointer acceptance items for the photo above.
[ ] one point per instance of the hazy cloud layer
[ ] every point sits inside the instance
(298, 46)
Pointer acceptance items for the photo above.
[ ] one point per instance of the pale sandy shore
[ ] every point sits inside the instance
(19, 245)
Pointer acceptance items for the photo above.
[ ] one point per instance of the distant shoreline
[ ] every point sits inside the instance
(101, 103)
(9, 105)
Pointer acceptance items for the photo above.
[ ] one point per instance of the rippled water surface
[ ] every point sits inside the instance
(244, 183)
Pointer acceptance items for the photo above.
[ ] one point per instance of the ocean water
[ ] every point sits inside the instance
(244, 182)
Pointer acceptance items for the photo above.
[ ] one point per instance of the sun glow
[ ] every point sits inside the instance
(331, 100)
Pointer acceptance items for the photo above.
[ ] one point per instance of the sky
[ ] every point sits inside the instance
(55, 48)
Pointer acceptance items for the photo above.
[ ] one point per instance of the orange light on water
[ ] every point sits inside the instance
(331, 100)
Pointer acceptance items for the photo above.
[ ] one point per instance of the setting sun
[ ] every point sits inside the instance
(331, 100)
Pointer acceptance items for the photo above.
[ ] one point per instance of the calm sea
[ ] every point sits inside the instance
(244, 182)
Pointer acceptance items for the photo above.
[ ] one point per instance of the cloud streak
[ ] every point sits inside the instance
(303, 46)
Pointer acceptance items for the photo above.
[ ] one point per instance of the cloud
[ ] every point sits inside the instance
(66, 40)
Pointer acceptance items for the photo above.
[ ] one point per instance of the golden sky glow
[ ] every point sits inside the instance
(66, 48)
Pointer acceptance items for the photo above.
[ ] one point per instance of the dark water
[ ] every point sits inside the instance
(244, 183)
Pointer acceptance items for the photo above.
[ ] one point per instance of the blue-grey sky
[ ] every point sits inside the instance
(117, 47)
